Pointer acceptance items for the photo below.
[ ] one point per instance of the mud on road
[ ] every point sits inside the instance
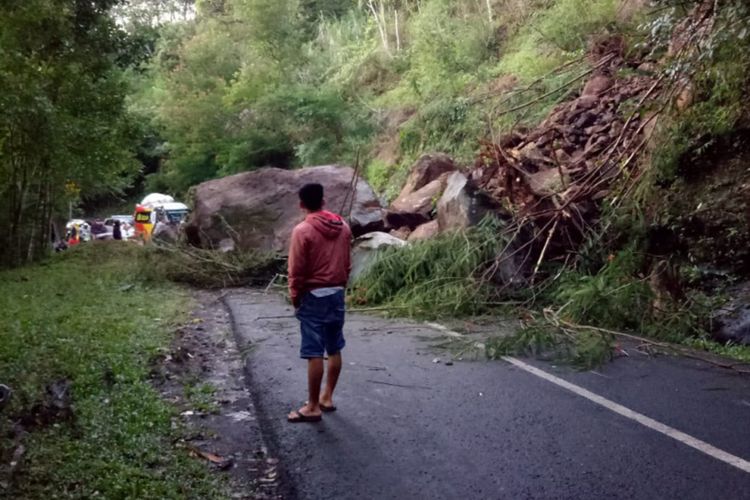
(203, 376)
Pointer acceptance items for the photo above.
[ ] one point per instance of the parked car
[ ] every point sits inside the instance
(100, 230)
(124, 219)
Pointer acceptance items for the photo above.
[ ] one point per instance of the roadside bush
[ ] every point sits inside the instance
(378, 173)
(207, 268)
(432, 278)
(615, 297)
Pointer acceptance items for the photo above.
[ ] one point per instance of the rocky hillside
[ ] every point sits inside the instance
(629, 199)
(606, 137)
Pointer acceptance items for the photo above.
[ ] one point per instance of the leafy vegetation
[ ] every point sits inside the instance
(207, 268)
(433, 278)
(583, 349)
(64, 132)
(84, 323)
(713, 99)
(250, 84)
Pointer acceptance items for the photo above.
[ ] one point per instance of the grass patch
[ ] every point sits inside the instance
(85, 318)
(433, 278)
(201, 397)
(582, 349)
(379, 174)
(732, 351)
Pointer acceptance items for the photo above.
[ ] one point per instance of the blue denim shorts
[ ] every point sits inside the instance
(322, 324)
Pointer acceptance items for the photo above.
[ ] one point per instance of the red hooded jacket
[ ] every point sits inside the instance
(319, 254)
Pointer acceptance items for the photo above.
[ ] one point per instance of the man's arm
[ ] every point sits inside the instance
(297, 267)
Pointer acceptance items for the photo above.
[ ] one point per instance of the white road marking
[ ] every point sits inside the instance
(445, 330)
(683, 438)
(652, 424)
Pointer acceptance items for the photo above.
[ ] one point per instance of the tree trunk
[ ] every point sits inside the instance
(398, 34)
(380, 22)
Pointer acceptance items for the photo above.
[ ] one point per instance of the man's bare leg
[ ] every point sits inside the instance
(332, 377)
(314, 379)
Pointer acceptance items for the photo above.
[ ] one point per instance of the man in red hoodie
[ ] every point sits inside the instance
(319, 266)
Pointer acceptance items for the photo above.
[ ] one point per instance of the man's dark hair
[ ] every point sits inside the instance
(311, 196)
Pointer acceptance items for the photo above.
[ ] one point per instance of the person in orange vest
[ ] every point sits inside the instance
(74, 238)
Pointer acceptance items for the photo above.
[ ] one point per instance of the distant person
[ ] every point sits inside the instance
(319, 267)
(116, 231)
(73, 239)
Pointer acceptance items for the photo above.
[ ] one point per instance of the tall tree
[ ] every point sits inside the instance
(63, 126)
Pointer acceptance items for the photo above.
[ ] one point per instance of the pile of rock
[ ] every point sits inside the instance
(257, 210)
(563, 168)
(437, 197)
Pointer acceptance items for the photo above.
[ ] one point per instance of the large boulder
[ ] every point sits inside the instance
(259, 209)
(416, 202)
(462, 205)
(428, 168)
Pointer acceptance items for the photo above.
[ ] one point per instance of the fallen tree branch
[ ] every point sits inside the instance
(544, 249)
(681, 350)
(561, 87)
(529, 87)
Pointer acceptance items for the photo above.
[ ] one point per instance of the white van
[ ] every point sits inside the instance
(165, 209)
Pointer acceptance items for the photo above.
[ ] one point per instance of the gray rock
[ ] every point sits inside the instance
(259, 209)
(732, 322)
(461, 205)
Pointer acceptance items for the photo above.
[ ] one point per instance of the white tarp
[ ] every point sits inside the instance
(157, 199)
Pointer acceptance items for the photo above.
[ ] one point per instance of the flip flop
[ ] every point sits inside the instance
(327, 409)
(298, 417)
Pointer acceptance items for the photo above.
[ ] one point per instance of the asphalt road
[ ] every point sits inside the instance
(408, 427)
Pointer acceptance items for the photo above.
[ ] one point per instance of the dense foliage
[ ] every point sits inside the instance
(98, 94)
(251, 83)
(64, 129)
